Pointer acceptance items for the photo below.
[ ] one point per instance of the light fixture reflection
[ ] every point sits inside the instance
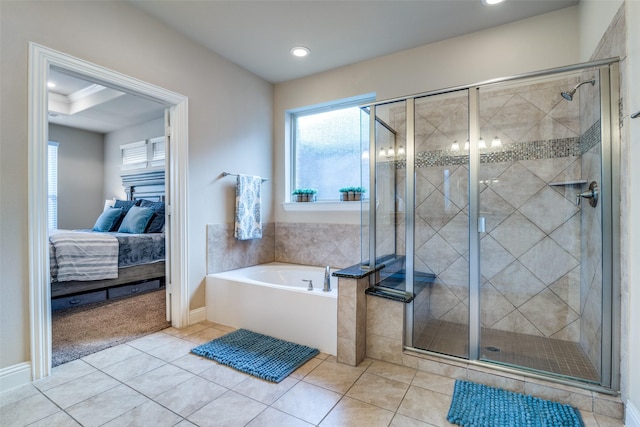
(496, 143)
(382, 153)
(455, 146)
(482, 144)
(401, 151)
(466, 145)
(390, 152)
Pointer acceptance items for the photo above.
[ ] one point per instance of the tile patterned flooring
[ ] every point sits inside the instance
(538, 353)
(155, 381)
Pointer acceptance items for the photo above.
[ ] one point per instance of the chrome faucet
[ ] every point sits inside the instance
(310, 282)
(327, 279)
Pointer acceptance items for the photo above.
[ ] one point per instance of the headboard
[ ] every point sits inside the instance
(149, 185)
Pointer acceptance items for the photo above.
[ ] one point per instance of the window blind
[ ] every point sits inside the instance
(52, 187)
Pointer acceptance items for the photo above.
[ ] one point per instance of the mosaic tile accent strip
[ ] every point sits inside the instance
(533, 150)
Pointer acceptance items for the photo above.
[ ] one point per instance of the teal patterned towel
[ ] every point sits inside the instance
(248, 212)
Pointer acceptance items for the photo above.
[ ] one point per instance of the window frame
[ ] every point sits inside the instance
(291, 120)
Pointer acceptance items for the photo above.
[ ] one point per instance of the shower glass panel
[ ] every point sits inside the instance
(390, 183)
(541, 252)
(441, 223)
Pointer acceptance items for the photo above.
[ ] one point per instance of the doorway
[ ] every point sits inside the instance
(41, 60)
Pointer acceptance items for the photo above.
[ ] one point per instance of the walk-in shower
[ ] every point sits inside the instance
(476, 226)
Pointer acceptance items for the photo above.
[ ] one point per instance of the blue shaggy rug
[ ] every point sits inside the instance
(265, 357)
(479, 405)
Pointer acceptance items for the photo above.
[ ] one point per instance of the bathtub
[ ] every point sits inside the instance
(272, 299)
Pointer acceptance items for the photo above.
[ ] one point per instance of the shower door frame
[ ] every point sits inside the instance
(610, 161)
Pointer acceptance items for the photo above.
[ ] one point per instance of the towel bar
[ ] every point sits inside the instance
(235, 174)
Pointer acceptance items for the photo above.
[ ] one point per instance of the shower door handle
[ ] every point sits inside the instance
(481, 225)
(591, 194)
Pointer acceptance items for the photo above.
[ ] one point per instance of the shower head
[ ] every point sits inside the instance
(569, 95)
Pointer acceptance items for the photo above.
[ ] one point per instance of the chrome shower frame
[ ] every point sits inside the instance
(610, 159)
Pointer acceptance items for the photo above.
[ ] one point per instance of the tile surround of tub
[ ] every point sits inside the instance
(336, 245)
(225, 252)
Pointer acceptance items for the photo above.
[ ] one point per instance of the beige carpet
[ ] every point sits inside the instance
(80, 331)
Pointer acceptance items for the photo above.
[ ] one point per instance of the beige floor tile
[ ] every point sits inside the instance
(17, 393)
(334, 376)
(27, 411)
(205, 335)
(159, 380)
(59, 419)
(80, 389)
(607, 422)
(403, 421)
(272, 417)
(307, 401)
(224, 376)
(305, 369)
(106, 406)
(354, 413)
(391, 371)
(180, 333)
(434, 382)
(147, 414)
(378, 391)
(426, 405)
(152, 341)
(172, 351)
(194, 364)
(64, 373)
(134, 366)
(264, 391)
(190, 396)
(110, 356)
(230, 409)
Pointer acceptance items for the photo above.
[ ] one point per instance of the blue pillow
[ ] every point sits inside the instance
(156, 225)
(136, 220)
(125, 205)
(107, 219)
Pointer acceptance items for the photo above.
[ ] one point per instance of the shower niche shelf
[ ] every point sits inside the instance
(575, 182)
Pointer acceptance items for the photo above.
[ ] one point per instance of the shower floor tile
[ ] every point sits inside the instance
(564, 358)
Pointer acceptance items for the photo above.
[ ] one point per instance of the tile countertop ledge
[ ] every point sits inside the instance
(355, 272)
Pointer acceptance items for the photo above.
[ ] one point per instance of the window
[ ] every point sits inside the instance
(158, 151)
(52, 190)
(329, 147)
(134, 155)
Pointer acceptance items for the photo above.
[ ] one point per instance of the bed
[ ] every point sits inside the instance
(123, 254)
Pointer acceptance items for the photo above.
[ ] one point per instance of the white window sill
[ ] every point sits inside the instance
(325, 206)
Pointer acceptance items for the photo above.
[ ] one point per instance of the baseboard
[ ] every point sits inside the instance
(632, 415)
(197, 315)
(15, 376)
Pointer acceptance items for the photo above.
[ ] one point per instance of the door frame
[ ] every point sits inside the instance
(41, 59)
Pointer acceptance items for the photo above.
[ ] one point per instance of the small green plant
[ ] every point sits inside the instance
(305, 191)
(353, 190)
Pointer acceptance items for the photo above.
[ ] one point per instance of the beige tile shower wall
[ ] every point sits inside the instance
(336, 245)
(530, 253)
(225, 252)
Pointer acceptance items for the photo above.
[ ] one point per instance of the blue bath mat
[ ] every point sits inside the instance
(479, 405)
(265, 357)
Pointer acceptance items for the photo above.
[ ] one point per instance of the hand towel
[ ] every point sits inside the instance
(248, 212)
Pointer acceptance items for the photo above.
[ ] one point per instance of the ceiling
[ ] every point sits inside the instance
(258, 34)
(82, 104)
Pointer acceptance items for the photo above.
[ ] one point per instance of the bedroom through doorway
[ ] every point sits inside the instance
(135, 198)
(109, 155)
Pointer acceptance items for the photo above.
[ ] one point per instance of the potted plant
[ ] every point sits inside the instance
(351, 193)
(305, 195)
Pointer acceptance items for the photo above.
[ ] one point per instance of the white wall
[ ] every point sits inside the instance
(230, 127)
(538, 43)
(595, 16)
(113, 158)
(80, 176)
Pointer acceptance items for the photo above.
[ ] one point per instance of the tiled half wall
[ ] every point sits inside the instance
(336, 245)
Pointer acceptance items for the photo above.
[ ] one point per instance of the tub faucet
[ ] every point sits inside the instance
(327, 279)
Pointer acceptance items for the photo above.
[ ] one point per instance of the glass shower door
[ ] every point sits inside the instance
(540, 251)
(441, 224)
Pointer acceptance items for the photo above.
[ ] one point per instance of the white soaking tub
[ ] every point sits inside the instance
(273, 299)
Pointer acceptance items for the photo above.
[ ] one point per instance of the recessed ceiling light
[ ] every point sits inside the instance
(300, 51)
(491, 2)
(51, 84)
